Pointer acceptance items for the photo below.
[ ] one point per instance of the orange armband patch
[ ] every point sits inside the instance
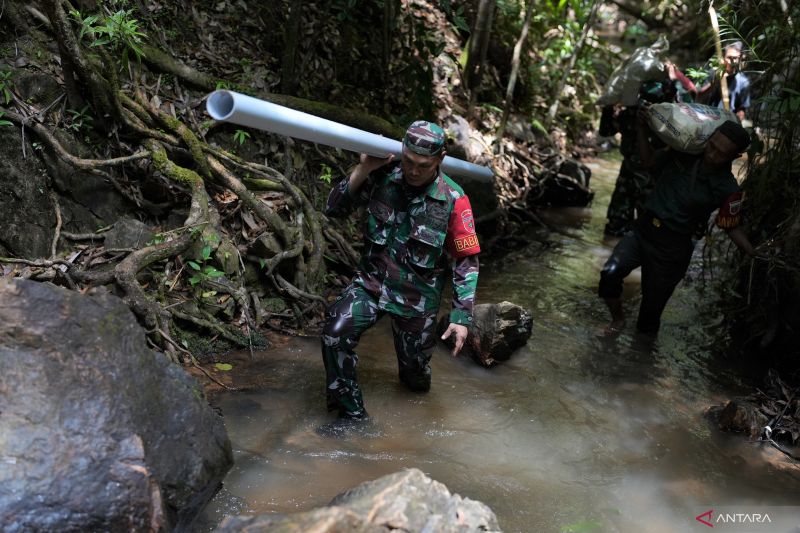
(461, 238)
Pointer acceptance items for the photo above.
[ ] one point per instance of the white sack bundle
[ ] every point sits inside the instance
(686, 127)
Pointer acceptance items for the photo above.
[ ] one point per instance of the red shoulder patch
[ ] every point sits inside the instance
(461, 238)
(730, 213)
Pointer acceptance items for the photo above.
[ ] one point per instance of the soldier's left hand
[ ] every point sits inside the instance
(460, 333)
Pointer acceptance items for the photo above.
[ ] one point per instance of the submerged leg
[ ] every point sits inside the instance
(625, 257)
(414, 340)
(664, 267)
(346, 319)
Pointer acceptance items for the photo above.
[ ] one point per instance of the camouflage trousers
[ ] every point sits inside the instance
(346, 320)
(630, 190)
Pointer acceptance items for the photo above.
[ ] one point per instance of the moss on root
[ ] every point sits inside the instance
(208, 349)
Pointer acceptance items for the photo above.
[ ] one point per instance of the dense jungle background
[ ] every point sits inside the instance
(113, 175)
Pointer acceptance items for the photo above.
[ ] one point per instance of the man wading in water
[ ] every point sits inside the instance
(688, 188)
(414, 212)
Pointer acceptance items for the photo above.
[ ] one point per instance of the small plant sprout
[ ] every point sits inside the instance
(203, 271)
(326, 175)
(118, 31)
(79, 120)
(241, 136)
(5, 85)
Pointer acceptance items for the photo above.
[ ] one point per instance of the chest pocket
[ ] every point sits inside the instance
(379, 221)
(426, 240)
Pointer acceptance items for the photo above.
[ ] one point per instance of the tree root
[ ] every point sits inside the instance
(84, 164)
(296, 293)
(261, 210)
(166, 142)
(347, 251)
(210, 324)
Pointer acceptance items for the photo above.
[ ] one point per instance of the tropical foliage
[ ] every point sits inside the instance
(768, 312)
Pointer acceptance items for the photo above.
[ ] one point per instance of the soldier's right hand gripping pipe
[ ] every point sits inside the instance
(414, 211)
(688, 188)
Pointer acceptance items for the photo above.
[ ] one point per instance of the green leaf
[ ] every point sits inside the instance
(241, 136)
(538, 126)
(326, 176)
(193, 265)
(194, 280)
(225, 367)
(206, 253)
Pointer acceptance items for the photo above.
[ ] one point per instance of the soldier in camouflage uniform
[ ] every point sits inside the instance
(414, 212)
(633, 179)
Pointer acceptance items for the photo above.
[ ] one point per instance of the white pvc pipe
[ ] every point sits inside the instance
(244, 110)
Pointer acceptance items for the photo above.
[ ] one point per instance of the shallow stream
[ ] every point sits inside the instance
(576, 432)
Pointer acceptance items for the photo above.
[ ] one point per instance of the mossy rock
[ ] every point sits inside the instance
(228, 257)
(274, 305)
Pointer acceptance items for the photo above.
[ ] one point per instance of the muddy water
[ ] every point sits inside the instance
(576, 432)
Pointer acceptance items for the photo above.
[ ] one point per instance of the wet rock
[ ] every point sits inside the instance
(27, 214)
(99, 433)
(464, 143)
(128, 233)
(228, 256)
(498, 329)
(520, 129)
(404, 501)
(266, 246)
(741, 417)
(567, 185)
(88, 201)
(576, 170)
(38, 88)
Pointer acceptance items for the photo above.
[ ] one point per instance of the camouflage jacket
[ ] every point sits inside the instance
(403, 262)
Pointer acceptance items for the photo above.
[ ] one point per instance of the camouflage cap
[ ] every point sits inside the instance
(424, 138)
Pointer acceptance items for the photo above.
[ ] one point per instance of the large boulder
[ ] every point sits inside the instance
(86, 201)
(498, 330)
(404, 501)
(27, 214)
(97, 432)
